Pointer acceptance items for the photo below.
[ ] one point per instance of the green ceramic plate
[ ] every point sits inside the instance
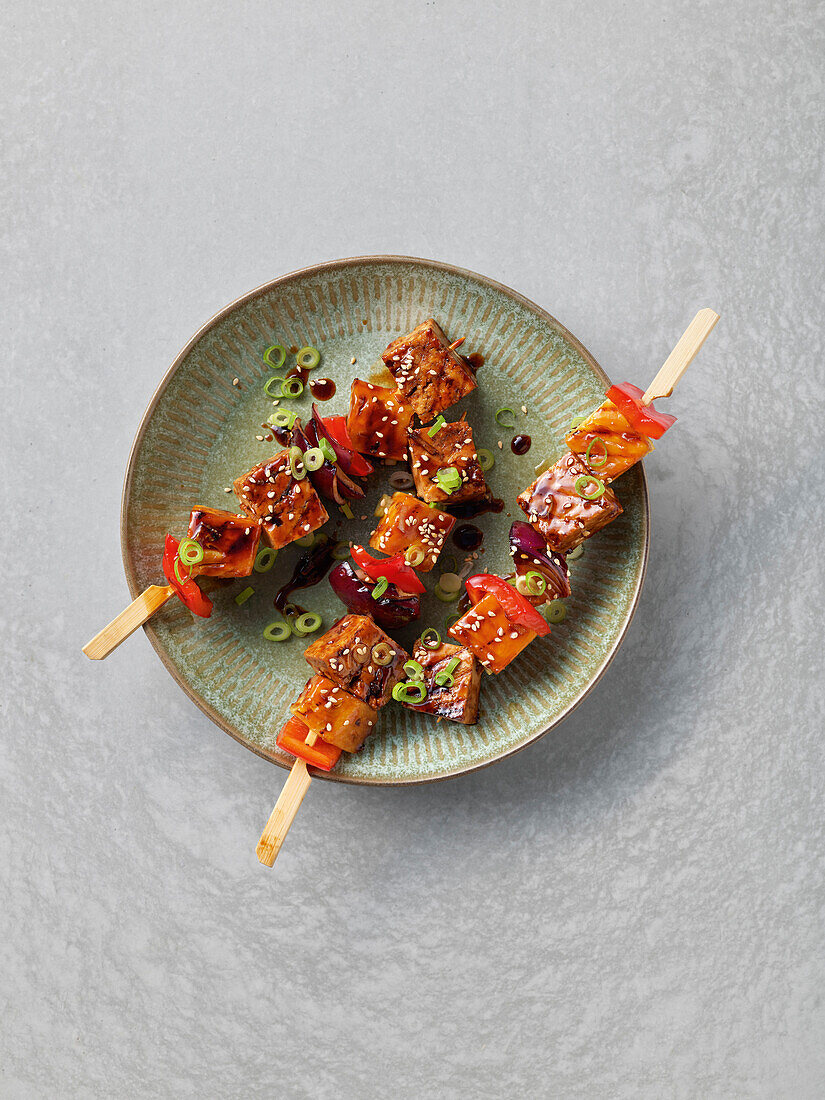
(199, 432)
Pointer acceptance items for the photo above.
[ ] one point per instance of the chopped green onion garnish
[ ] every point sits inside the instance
(594, 462)
(444, 678)
(307, 623)
(345, 508)
(414, 556)
(430, 639)
(381, 586)
(448, 587)
(307, 540)
(341, 551)
(275, 380)
(574, 423)
(556, 611)
(242, 597)
(296, 463)
(265, 559)
(292, 387)
(308, 358)
(500, 417)
(576, 552)
(414, 692)
(451, 620)
(190, 552)
(327, 450)
(383, 654)
(437, 425)
(531, 584)
(583, 481)
(283, 418)
(275, 356)
(486, 459)
(178, 562)
(314, 458)
(414, 670)
(277, 632)
(448, 478)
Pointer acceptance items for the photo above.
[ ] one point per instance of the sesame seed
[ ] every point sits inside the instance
(227, 489)
(500, 444)
(260, 437)
(352, 361)
(236, 381)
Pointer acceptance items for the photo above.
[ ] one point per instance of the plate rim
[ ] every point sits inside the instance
(128, 485)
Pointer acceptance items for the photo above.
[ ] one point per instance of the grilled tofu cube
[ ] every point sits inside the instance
(345, 655)
(288, 508)
(408, 524)
(556, 509)
(378, 420)
(451, 446)
(613, 436)
(334, 715)
(459, 703)
(487, 632)
(429, 375)
(229, 542)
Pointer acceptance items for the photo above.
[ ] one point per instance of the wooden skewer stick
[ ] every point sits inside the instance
(682, 355)
(127, 622)
(286, 808)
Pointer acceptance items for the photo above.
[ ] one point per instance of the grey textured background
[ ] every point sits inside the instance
(633, 907)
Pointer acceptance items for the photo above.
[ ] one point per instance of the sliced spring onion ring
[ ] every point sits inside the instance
(451, 620)
(414, 692)
(556, 611)
(345, 508)
(243, 596)
(308, 358)
(296, 463)
(275, 356)
(594, 462)
(503, 412)
(383, 654)
(486, 459)
(414, 670)
(448, 478)
(306, 540)
(430, 639)
(401, 480)
(277, 632)
(326, 448)
(583, 481)
(576, 552)
(437, 425)
(381, 586)
(190, 552)
(444, 678)
(450, 582)
(178, 562)
(574, 423)
(265, 559)
(414, 555)
(275, 380)
(314, 458)
(307, 623)
(283, 418)
(292, 387)
(341, 551)
(531, 584)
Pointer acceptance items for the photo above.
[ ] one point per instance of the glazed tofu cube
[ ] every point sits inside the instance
(451, 447)
(559, 512)
(458, 702)
(345, 654)
(430, 376)
(409, 524)
(606, 432)
(288, 508)
(378, 420)
(334, 715)
(487, 632)
(229, 542)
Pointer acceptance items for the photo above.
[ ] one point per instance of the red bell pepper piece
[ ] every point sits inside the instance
(292, 738)
(395, 569)
(337, 428)
(517, 609)
(644, 418)
(188, 591)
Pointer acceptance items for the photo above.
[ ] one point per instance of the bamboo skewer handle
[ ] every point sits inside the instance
(284, 813)
(127, 622)
(682, 355)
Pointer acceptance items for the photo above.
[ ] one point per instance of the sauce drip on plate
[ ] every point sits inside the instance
(520, 444)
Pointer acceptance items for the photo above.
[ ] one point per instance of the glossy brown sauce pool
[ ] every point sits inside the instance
(463, 605)
(475, 361)
(467, 536)
(322, 389)
(298, 372)
(469, 509)
(520, 444)
(310, 569)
